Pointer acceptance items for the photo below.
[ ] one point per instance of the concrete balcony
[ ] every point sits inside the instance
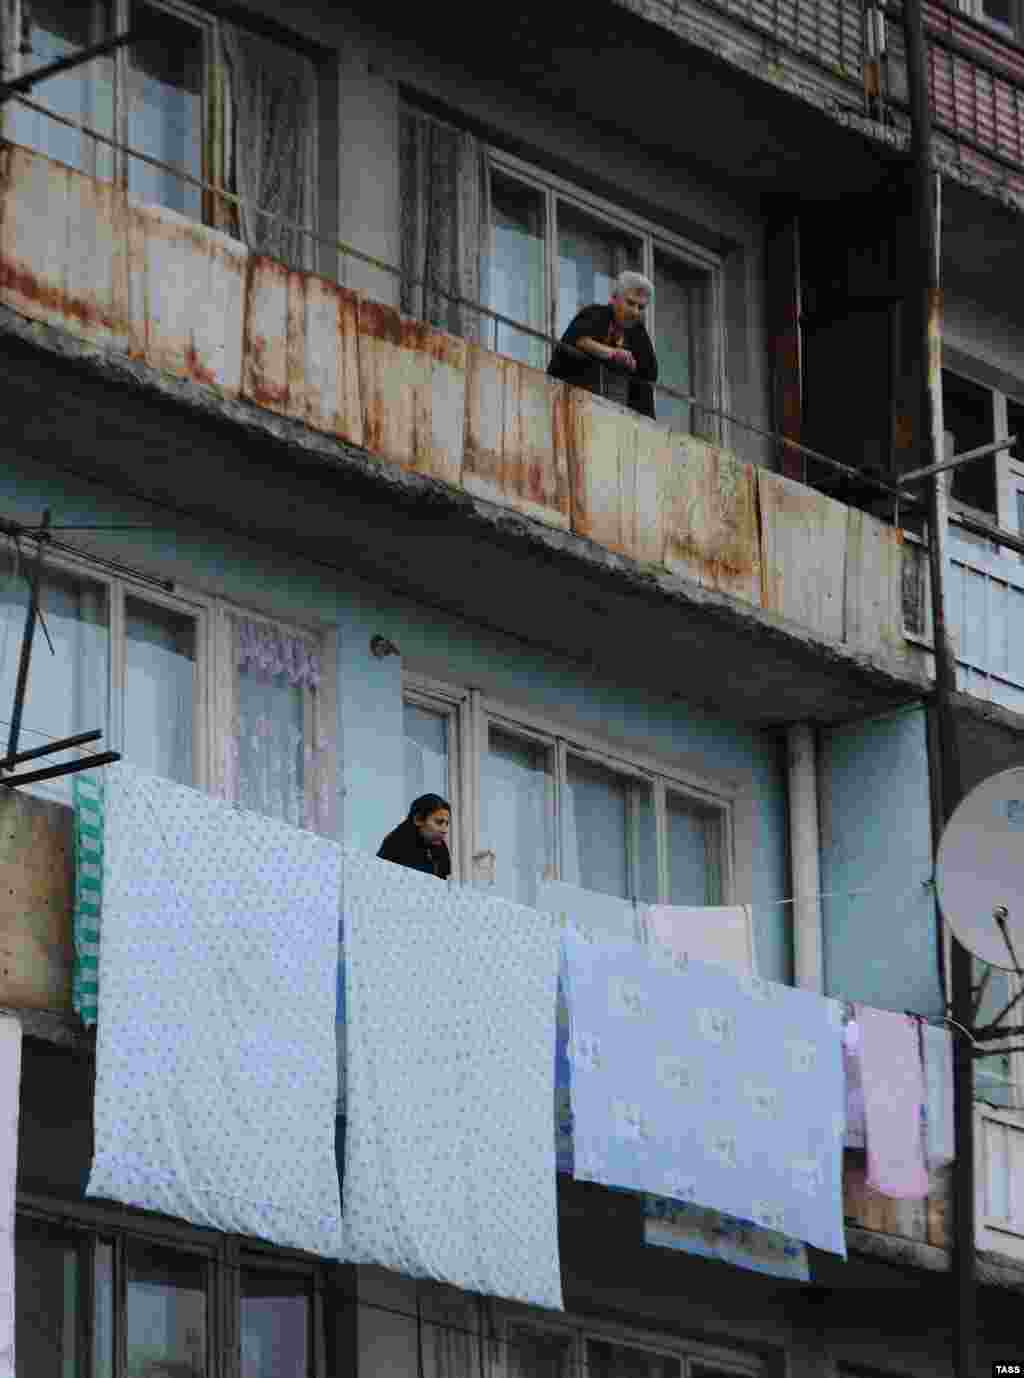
(146, 286)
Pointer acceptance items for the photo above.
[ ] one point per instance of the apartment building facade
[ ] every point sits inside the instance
(677, 660)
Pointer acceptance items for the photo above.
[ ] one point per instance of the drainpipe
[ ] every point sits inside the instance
(805, 862)
(927, 188)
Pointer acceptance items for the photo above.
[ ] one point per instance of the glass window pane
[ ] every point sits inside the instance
(532, 1354)
(609, 832)
(271, 759)
(427, 768)
(59, 29)
(591, 254)
(159, 708)
(103, 1312)
(681, 299)
(517, 813)
(607, 1360)
(165, 1321)
(165, 112)
(275, 1325)
(518, 214)
(67, 690)
(47, 1279)
(694, 851)
(969, 423)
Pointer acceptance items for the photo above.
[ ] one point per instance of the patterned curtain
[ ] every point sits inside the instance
(269, 100)
(275, 755)
(444, 224)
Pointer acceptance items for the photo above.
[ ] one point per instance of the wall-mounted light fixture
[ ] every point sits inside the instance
(380, 646)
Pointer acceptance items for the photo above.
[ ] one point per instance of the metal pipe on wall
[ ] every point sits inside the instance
(928, 190)
(805, 857)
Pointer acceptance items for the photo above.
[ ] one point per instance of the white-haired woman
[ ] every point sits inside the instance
(622, 364)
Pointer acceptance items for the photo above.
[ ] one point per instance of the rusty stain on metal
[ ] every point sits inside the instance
(195, 365)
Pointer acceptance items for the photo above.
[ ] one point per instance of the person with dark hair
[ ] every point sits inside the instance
(421, 841)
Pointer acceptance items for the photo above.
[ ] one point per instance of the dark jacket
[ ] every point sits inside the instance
(406, 847)
(595, 322)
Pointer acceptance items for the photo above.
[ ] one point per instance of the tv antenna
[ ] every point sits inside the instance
(14, 757)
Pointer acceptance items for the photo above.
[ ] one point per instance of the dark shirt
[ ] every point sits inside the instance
(596, 323)
(405, 847)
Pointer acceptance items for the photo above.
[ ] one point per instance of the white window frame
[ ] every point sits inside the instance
(660, 776)
(199, 19)
(471, 714)
(579, 1331)
(652, 237)
(213, 659)
(453, 704)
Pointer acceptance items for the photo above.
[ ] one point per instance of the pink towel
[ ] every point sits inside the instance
(854, 1086)
(893, 1084)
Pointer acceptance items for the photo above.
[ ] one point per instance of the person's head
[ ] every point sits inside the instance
(432, 816)
(631, 295)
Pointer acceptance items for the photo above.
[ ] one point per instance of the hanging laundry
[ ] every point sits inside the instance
(215, 1056)
(87, 799)
(937, 1056)
(707, 933)
(710, 1234)
(10, 1087)
(893, 1103)
(595, 913)
(590, 911)
(854, 1086)
(707, 1086)
(450, 1020)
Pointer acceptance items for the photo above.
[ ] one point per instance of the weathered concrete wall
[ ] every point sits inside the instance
(36, 896)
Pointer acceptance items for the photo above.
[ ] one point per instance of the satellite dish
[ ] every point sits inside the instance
(979, 872)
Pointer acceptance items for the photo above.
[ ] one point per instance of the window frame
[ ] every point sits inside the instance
(476, 713)
(453, 704)
(92, 1224)
(636, 765)
(653, 238)
(213, 659)
(582, 1329)
(126, 77)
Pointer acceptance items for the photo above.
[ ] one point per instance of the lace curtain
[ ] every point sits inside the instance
(444, 224)
(265, 104)
(275, 753)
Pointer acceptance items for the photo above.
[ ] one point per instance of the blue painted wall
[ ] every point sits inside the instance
(371, 786)
(880, 948)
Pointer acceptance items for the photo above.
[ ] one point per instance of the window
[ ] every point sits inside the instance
(484, 226)
(49, 1269)
(517, 821)
(101, 1301)
(185, 688)
(608, 831)
(559, 808)
(968, 421)
(68, 689)
(166, 1309)
(518, 264)
(1004, 15)
(607, 1360)
(208, 99)
(541, 1349)
(434, 752)
(276, 1324)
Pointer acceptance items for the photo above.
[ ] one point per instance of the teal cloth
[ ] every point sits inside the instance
(88, 798)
